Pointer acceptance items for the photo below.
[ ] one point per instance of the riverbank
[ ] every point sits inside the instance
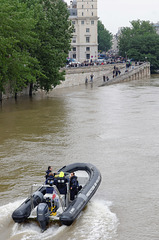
(77, 76)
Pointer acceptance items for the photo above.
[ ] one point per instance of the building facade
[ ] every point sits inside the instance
(83, 14)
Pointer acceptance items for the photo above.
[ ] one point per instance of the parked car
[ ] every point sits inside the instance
(71, 62)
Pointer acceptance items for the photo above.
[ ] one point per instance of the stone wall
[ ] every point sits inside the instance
(76, 76)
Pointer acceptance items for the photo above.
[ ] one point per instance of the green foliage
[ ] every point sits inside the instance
(35, 39)
(104, 38)
(140, 42)
(54, 33)
(17, 37)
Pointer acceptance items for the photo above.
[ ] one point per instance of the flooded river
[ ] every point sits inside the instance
(115, 128)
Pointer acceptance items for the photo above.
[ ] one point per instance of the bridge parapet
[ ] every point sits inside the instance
(136, 73)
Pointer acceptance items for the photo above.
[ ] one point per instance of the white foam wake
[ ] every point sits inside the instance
(95, 222)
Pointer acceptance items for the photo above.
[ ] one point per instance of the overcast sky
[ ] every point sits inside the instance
(118, 13)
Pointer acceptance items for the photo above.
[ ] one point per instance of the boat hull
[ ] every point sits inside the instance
(75, 207)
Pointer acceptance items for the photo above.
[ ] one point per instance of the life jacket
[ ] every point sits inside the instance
(60, 182)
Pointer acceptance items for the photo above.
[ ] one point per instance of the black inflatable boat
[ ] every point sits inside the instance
(46, 203)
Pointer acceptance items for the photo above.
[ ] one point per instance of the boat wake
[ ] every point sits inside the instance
(95, 222)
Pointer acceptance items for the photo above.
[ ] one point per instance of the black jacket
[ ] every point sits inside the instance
(61, 184)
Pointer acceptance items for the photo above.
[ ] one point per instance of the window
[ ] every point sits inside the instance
(74, 30)
(87, 30)
(74, 49)
(87, 39)
(82, 22)
(82, 14)
(92, 22)
(92, 13)
(74, 40)
(82, 6)
(92, 6)
(87, 49)
(88, 56)
(73, 22)
(74, 55)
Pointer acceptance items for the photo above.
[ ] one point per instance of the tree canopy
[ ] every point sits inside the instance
(140, 42)
(104, 38)
(17, 36)
(35, 38)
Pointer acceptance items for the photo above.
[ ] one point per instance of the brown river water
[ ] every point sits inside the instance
(115, 128)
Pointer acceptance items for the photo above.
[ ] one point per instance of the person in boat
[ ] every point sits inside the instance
(49, 172)
(74, 185)
(49, 175)
(61, 183)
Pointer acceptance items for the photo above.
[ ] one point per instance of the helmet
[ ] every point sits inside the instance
(61, 174)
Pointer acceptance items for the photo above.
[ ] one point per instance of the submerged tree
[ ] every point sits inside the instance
(54, 33)
(17, 37)
(35, 39)
(140, 42)
(55, 42)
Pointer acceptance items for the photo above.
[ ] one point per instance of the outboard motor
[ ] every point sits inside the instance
(24, 210)
(37, 198)
(43, 215)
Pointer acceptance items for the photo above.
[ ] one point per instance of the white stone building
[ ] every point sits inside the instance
(83, 14)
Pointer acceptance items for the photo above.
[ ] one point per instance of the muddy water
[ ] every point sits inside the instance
(114, 127)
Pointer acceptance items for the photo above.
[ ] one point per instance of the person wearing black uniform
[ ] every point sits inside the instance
(73, 186)
(60, 182)
(49, 174)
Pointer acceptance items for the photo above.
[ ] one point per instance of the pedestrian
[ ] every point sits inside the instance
(103, 78)
(91, 77)
(107, 78)
(86, 80)
(113, 73)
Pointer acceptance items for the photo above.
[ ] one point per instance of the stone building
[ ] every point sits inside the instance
(83, 14)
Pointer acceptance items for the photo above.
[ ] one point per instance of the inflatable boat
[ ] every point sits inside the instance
(48, 203)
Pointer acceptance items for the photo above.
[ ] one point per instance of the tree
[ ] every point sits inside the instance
(17, 37)
(140, 42)
(104, 38)
(35, 38)
(54, 33)
(55, 42)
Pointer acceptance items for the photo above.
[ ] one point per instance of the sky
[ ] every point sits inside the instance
(119, 13)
